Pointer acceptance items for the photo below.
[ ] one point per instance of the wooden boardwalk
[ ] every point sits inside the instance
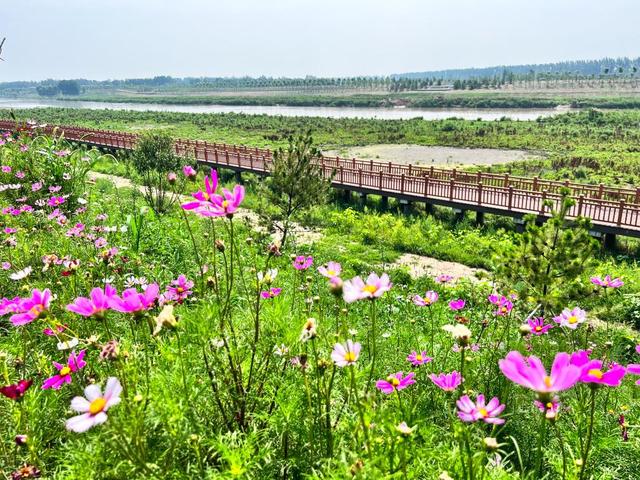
(612, 210)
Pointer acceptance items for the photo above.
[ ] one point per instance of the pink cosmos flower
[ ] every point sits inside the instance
(55, 201)
(36, 186)
(17, 390)
(10, 230)
(330, 270)
(346, 354)
(503, 303)
(530, 372)
(418, 358)
(6, 169)
(550, 408)
(189, 172)
(227, 203)
(55, 188)
(447, 381)
(172, 177)
(272, 292)
(444, 278)
(61, 153)
(395, 382)
(9, 305)
(20, 175)
(32, 308)
(302, 263)
(634, 369)
(571, 318)
(456, 304)
(94, 405)
(134, 302)
(6, 265)
(356, 289)
(100, 242)
(75, 231)
(24, 148)
(591, 370)
(97, 303)
(607, 282)
(179, 290)
(538, 327)
(202, 198)
(49, 332)
(75, 363)
(472, 412)
(429, 299)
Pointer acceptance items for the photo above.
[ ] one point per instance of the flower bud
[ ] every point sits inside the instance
(219, 245)
(172, 178)
(525, 329)
(490, 443)
(20, 440)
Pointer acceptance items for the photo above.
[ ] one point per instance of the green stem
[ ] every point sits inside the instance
(587, 447)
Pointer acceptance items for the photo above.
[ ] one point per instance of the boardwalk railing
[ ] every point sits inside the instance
(611, 209)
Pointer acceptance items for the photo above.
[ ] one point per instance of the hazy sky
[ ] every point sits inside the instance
(102, 39)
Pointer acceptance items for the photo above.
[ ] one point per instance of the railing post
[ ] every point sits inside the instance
(360, 177)
(341, 175)
(215, 153)
(402, 183)
(409, 169)
(226, 154)
(176, 145)
(637, 195)
(426, 185)
(480, 193)
(431, 170)
(206, 153)
(452, 184)
(380, 180)
(353, 163)
(371, 165)
(389, 167)
(580, 202)
(510, 201)
(506, 180)
(251, 161)
(535, 184)
(600, 190)
(620, 212)
(453, 174)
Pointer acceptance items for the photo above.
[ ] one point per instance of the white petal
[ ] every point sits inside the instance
(92, 392)
(80, 404)
(81, 423)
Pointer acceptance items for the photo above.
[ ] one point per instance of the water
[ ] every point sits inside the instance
(330, 112)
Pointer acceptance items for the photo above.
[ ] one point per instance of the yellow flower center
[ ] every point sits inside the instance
(225, 204)
(37, 309)
(370, 289)
(538, 328)
(64, 371)
(594, 372)
(179, 289)
(427, 301)
(97, 406)
(483, 412)
(331, 272)
(504, 309)
(419, 358)
(572, 319)
(393, 381)
(547, 382)
(350, 357)
(549, 405)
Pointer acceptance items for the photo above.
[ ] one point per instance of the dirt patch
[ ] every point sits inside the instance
(420, 266)
(432, 155)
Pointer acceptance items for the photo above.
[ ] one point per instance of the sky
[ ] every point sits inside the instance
(109, 39)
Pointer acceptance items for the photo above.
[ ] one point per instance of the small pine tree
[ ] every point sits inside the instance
(154, 159)
(549, 259)
(296, 183)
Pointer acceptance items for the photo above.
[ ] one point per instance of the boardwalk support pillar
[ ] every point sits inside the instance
(405, 205)
(384, 202)
(428, 208)
(610, 241)
(363, 198)
(459, 214)
(346, 195)
(479, 218)
(239, 178)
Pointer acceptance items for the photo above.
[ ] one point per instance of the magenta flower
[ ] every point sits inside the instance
(8, 305)
(189, 172)
(75, 363)
(356, 289)
(51, 332)
(134, 302)
(203, 198)
(607, 282)
(226, 204)
(395, 382)
(17, 390)
(634, 369)
(172, 177)
(503, 303)
(179, 290)
(429, 299)
(571, 318)
(32, 308)
(591, 370)
(55, 201)
(6, 169)
(538, 327)
(447, 381)
(346, 354)
(302, 263)
(550, 408)
(456, 305)
(97, 303)
(530, 373)
(94, 406)
(418, 358)
(330, 270)
(472, 412)
(272, 292)
(443, 278)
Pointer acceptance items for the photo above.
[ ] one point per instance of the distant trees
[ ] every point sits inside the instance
(69, 87)
(47, 90)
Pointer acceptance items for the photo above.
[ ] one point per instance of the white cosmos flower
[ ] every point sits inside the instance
(68, 344)
(21, 274)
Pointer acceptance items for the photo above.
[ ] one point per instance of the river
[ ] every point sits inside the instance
(330, 112)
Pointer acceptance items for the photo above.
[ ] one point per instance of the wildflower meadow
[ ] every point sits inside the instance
(184, 342)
